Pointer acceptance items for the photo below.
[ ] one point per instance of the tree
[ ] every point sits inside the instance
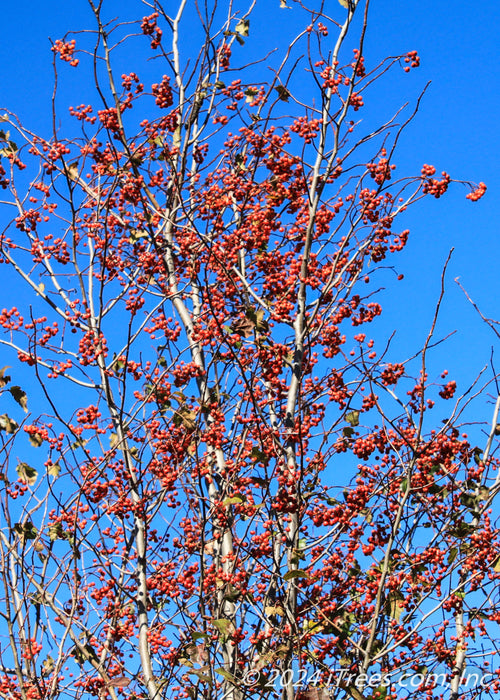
(238, 495)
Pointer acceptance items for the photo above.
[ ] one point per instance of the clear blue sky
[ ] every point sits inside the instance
(456, 130)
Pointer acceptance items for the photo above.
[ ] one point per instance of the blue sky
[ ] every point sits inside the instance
(456, 130)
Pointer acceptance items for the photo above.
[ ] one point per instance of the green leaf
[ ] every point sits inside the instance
(462, 530)
(452, 555)
(233, 500)
(200, 635)
(201, 673)
(484, 492)
(226, 674)
(477, 455)
(469, 500)
(259, 456)
(26, 473)
(380, 693)
(26, 531)
(368, 515)
(224, 626)
(295, 573)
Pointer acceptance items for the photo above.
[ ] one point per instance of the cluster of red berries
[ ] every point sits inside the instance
(437, 187)
(356, 101)
(31, 648)
(359, 64)
(448, 390)
(391, 374)
(66, 50)
(150, 28)
(82, 113)
(163, 93)
(4, 182)
(412, 59)
(380, 171)
(91, 346)
(306, 128)
(477, 193)
(127, 81)
(224, 54)
(109, 118)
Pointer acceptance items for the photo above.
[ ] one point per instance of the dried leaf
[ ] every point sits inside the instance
(118, 682)
(48, 666)
(26, 531)
(250, 94)
(56, 532)
(73, 171)
(20, 396)
(54, 470)
(274, 610)
(314, 694)
(27, 475)
(197, 652)
(10, 426)
(4, 379)
(243, 327)
(352, 418)
(243, 27)
(282, 91)
(185, 417)
(394, 605)
(136, 234)
(35, 439)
